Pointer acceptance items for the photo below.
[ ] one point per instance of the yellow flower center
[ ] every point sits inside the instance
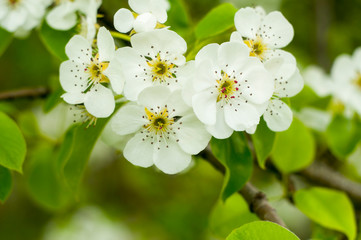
(161, 69)
(226, 87)
(95, 70)
(159, 122)
(14, 2)
(357, 80)
(258, 48)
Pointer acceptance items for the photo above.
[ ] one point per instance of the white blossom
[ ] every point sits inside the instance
(64, 15)
(166, 131)
(231, 88)
(153, 59)
(22, 15)
(148, 13)
(288, 82)
(263, 34)
(318, 81)
(87, 73)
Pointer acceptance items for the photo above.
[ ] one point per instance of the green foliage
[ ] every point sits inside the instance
(263, 140)
(261, 230)
(6, 183)
(294, 149)
(43, 182)
(230, 215)
(342, 135)
(28, 124)
(178, 17)
(55, 40)
(12, 144)
(5, 40)
(329, 208)
(236, 157)
(219, 20)
(53, 100)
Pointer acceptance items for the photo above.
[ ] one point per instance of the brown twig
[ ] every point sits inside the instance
(25, 93)
(256, 199)
(322, 174)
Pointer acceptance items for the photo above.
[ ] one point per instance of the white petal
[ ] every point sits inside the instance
(236, 37)
(79, 49)
(233, 54)
(106, 45)
(209, 52)
(73, 98)
(291, 86)
(115, 74)
(155, 96)
(139, 6)
(62, 17)
(14, 19)
(204, 106)
(247, 22)
(206, 76)
(171, 159)
(278, 53)
(193, 137)
(145, 22)
(257, 85)
(278, 31)
(315, 118)
(278, 116)
(241, 115)
(220, 130)
(99, 101)
(175, 101)
(317, 79)
(133, 87)
(159, 11)
(356, 58)
(343, 70)
(72, 77)
(128, 119)
(139, 152)
(123, 20)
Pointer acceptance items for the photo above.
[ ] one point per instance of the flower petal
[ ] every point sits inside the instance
(73, 98)
(99, 101)
(278, 116)
(159, 10)
(145, 22)
(115, 75)
(317, 79)
(209, 53)
(79, 49)
(176, 104)
(205, 76)
(139, 6)
(128, 119)
(232, 54)
(241, 115)
(192, 135)
(123, 20)
(204, 106)
(139, 151)
(220, 129)
(105, 44)
(247, 22)
(290, 87)
(63, 16)
(170, 158)
(153, 97)
(343, 70)
(72, 77)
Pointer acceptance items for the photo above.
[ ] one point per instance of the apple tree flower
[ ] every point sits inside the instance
(165, 130)
(153, 59)
(231, 88)
(263, 34)
(21, 15)
(64, 15)
(288, 82)
(86, 75)
(147, 14)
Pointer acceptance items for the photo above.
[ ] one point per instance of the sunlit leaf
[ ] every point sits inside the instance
(218, 20)
(236, 157)
(263, 140)
(12, 144)
(262, 230)
(6, 183)
(329, 208)
(294, 149)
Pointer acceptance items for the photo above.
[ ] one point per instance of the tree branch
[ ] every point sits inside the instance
(25, 93)
(322, 174)
(256, 199)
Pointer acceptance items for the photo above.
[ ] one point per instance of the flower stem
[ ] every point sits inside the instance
(120, 36)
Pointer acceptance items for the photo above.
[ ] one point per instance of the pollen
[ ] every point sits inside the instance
(95, 70)
(258, 48)
(161, 69)
(227, 87)
(357, 80)
(159, 122)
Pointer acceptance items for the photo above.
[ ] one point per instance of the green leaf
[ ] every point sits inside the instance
(263, 140)
(236, 157)
(178, 17)
(53, 100)
(293, 149)
(262, 230)
(218, 20)
(28, 124)
(5, 40)
(6, 183)
(342, 135)
(55, 41)
(43, 182)
(329, 208)
(229, 215)
(12, 144)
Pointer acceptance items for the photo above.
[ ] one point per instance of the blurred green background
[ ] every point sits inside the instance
(144, 203)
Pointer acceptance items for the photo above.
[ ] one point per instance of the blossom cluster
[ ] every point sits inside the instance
(175, 106)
